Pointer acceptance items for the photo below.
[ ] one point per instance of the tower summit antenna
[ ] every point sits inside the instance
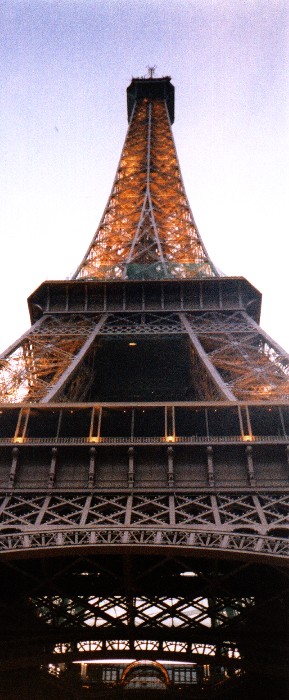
(151, 70)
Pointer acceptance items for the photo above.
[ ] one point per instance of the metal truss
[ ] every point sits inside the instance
(153, 647)
(150, 625)
(231, 357)
(172, 607)
(33, 365)
(247, 546)
(210, 654)
(142, 324)
(147, 220)
(144, 613)
(227, 512)
(250, 364)
(228, 522)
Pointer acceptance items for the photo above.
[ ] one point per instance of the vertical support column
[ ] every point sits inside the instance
(211, 475)
(132, 424)
(170, 429)
(250, 466)
(66, 298)
(248, 421)
(171, 481)
(211, 370)
(171, 478)
(59, 423)
(127, 520)
(75, 362)
(241, 421)
(91, 422)
(130, 467)
(22, 423)
(143, 298)
(172, 511)
(282, 420)
(216, 512)
(15, 454)
(52, 470)
(99, 423)
(91, 473)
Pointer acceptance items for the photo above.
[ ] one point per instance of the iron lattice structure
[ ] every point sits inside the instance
(144, 460)
(147, 228)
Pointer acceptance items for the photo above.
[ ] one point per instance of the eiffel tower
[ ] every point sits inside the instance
(144, 449)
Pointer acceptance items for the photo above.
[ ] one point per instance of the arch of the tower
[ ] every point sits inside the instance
(114, 619)
(245, 542)
(143, 673)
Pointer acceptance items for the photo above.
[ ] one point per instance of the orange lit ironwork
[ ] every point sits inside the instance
(41, 357)
(147, 221)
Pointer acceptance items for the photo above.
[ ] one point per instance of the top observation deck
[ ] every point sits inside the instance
(151, 88)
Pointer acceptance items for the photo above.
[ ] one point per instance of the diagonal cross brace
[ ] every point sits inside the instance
(52, 393)
(214, 374)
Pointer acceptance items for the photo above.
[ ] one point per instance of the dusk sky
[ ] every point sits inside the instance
(64, 69)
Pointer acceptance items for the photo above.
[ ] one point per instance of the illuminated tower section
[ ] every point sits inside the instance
(147, 230)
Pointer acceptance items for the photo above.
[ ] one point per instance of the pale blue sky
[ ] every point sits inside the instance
(64, 69)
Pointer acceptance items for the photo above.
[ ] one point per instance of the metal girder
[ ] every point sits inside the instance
(195, 530)
(157, 616)
(248, 546)
(142, 324)
(264, 514)
(231, 356)
(83, 381)
(189, 294)
(249, 365)
(214, 375)
(38, 361)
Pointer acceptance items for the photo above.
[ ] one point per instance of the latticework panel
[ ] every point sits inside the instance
(147, 221)
(230, 356)
(266, 514)
(250, 364)
(41, 357)
(117, 613)
(142, 324)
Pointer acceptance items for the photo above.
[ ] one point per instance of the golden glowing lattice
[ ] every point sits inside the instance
(147, 222)
(36, 364)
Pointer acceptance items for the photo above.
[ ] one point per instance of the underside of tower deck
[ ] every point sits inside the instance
(144, 461)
